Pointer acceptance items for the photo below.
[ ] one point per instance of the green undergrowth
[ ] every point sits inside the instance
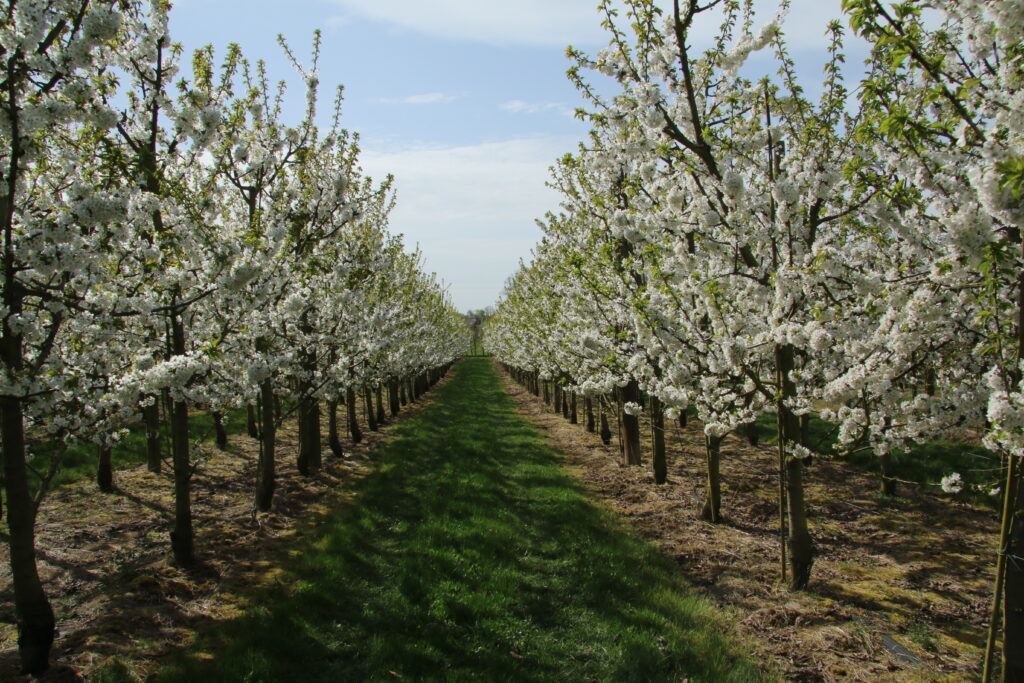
(469, 553)
(79, 459)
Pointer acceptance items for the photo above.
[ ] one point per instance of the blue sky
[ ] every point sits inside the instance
(464, 101)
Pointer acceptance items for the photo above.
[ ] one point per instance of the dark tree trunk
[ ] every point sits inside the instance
(556, 401)
(182, 536)
(800, 546)
(105, 469)
(565, 404)
(33, 612)
(332, 429)
(658, 442)
(250, 422)
(393, 403)
(379, 391)
(547, 393)
(1013, 603)
(401, 392)
(151, 417)
(606, 430)
(309, 458)
(266, 470)
(888, 476)
(682, 419)
(752, 433)
(220, 432)
(631, 424)
(371, 417)
(353, 423)
(588, 410)
(712, 508)
(574, 417)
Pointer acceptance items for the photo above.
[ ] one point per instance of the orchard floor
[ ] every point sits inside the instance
(457, 547)
(900, 588)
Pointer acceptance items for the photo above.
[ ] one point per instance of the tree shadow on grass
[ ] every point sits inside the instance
(470, 554)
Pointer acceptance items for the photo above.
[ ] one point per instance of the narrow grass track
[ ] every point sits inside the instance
(469, 554)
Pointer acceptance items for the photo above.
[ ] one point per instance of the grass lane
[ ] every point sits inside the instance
(470, 554)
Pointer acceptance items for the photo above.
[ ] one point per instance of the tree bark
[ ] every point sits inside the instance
(888, 487)
(574, 417)
(219, 431)
(353, 424)
(401, 392)
(182, 535)
(752, 434)
(379, 392)
(1013, 602)
(658, 456)
(606, 430)
(266, 470)
(250, 422)
(333, 442)
(801, 548)
(104, 469)
(588, 410)
(631, 424)
(151, 417)
(371, 416)
(712, 508)
(393, 403)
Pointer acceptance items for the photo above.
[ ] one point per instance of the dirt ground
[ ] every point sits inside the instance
(105, 558)
(900, 589)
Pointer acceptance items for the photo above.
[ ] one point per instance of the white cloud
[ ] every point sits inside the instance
(472, 208)
(425, 98)
(523, 107)
(517, 22)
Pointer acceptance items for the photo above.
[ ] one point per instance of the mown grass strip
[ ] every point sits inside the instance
(470, 554)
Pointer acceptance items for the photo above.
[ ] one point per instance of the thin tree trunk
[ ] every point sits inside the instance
(547, 393)
(631, 424)
(1013, 601)
(401, 392)
(588, 410)
(220, 432)
(712, 508)
(888, 487)
(371, 417)
(250, 422)
(682, 419)
(151, 417)
(658, 441)
(104, 469)
(801, 548)
(573, 409)
(393, 403)
(333, 442)
(379, 391)
(556, 398)
(565, 404)
(752, 434)
(182, 536)
(265, 473)
(353, 424)
(606, 430)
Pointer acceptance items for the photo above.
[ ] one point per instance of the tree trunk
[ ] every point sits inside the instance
(751, 431)
(556, 398)
(32, 608)
(371, 417)
(265, 472)
(682, 418)
(712, 509)
(801, 549)
(1013, 603)
(606, 430)
(631, 424)
(182, 536)
(353, 424)
(547, 393)
(888, 476)
(379, 391)
(105, 469)
(574, 417)
(151, 417)
(220, 432)
(565, 403)
(393, 397)
(658, 441)
(250, 422)
(588, 410)
(309, 458)
(401, 392)
(333, 442)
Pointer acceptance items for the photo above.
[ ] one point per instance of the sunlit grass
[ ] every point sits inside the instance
(469, 553)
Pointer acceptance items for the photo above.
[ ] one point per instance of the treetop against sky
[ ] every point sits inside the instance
(465, 102)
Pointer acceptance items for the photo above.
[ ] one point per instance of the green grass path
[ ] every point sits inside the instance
(470, 554)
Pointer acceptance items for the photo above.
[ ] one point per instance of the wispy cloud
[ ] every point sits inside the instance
(523, 107)
(524, 22)
(424, 98)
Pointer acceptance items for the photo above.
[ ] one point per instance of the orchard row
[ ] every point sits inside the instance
(172, 239)
(732, 246)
